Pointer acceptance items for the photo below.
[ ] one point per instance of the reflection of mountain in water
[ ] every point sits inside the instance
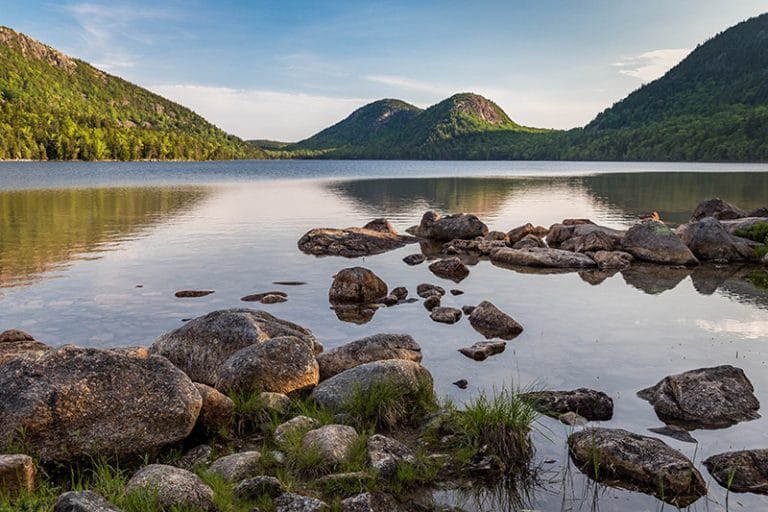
(40, 229)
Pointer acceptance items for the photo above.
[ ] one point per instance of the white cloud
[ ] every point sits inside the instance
(261, 114)
(748, 329)
(651, 65)
(408, 84)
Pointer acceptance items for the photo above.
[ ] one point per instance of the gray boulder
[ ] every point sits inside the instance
(83, 501)
(741, 471)
(541, 257)
(718, 209)
(279, 365)
(450, 268)
(75, 402)
(704, 398)
(434, 226)
(238, 466)
(652, 241)
(203, 344)
(491, 322)
(637, 462)
(356, 285)
(17, 475)
(385, 453)
(332, 442)
(588, 403)
(290, 502)
(710, 241)
(15, 343)
(371, 348)
(376, 237)
(174, 487)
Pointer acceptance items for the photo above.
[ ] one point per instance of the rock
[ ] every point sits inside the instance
(432, 302)
(741, 224)
(572, 419)
(592, 405)
(356, 285)
(196, 457)
(273, 299)
(216, 411)
(468, 247)
(293, 426)
(637, 462)
(17, 475)
(425, 290)
(203, 344)
(529, 241)
(415, 259)
(450, 268)
(372, 348)
(238, 466)
(279, 365)
(461, 383)
(410, 377)
(445, 315)
(759, 212)
(541, 257)
(514, 235)
(592, 242)
(401, 292)
(187, 294)
(456, 292)
(78, 402)
(704, 398)
(710, 241)
(651, 240)
(277, 402)
(385, 453)
(174, 487)
(483, 349)
(491, 322)
(261, 297)
(376, 237)
(15, 343)
(390, 300)
(559, 233)
(674, 432)
(718, 209)
(741, 471)
(358, 479)
(332, 442)
(290, 502)
(258, 486)
(433, 226)
(369, 502)
(612, 259)
(467, 310)
(83, 501)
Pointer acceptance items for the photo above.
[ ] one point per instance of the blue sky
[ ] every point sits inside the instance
(286, 69)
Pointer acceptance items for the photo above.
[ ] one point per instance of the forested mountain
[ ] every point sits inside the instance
(56, 107)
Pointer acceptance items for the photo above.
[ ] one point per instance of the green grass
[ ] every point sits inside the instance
(757, 232)
(758, 279)
(387, 405)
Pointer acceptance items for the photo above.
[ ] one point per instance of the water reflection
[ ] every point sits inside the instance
(45, 229)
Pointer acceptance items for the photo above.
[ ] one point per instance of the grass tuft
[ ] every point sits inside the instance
(388, 405)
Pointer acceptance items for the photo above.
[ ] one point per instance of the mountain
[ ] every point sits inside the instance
(56, 107)
(712, 106)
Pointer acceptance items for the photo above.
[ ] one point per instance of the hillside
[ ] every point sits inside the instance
(56, 107)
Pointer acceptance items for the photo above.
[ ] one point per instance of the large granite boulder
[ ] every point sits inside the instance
(636, 462)
(718, 209)
(203, 344)
(741, 471)
(710, 241)
(356, 285)
(704, 398)
(371, 348)
(174, 487)
(491, 322)
(541, 257)
(651, 240)
(281, 365)
(376, 237)
(588, 403)
(15, 343)
(75, 402)
(434, 226)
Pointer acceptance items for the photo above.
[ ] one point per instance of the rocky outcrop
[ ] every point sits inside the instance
(741, 471)
(356, 285)
(652, 241)
(491, 322)
(588, 403)
(450, 268)
(15, 343)
(238, 466)
(434, 226)
(710, 241)
(75, 402)
(718, 209)
(280, 365)
(376, 237)
(372, 348)
(481, 350)
(216, 411)
(203, 344)
(331, 442)
(637, 462)
(704, 398)
(17, 475)
(541, 257)
(174, 487)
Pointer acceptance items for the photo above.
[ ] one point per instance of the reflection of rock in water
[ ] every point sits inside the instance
(741, 290)
(708, 278)
(596, 277)
(654, 279)
(355, 314)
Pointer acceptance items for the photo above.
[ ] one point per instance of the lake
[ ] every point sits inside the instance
(92, 253)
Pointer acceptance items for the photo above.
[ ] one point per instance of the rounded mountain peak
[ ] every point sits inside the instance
(478, 107)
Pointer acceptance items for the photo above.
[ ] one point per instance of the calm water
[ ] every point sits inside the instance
(93, 253)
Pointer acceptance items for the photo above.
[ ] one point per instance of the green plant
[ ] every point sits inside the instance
(386, 404)
(758, 279)
(757, 232)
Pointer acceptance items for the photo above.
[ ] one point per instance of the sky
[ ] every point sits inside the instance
(283, 70)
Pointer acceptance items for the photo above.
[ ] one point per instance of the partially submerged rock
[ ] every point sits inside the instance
(450, 268)
(718, 209)
(376, 237)
(652, 241)
(415, 259)
(491, 322)
(445, 315)
(356, 285)
(371, 348)
(541, 257)
(174, 487)
(704, 398)
(741, 471)
(75, 402)
(481, 350)
(16, 343)
(589, 403)
(17, 475)
(425, 290)
(264, 297)
(636, 462)
(710, 241)
(434, 226)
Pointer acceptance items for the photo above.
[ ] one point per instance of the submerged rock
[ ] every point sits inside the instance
(371, 348)
(174, 487)
(491, 322)
(718, 209)
(710, 241)
(266, 297)
(376, 237)
(481, 350)
(592, 405)
(541, 257)
(652, 241)
(741, 471)
(636, 462)
(434, 226)
(356, 285)
(704, 398)
(450, 268)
